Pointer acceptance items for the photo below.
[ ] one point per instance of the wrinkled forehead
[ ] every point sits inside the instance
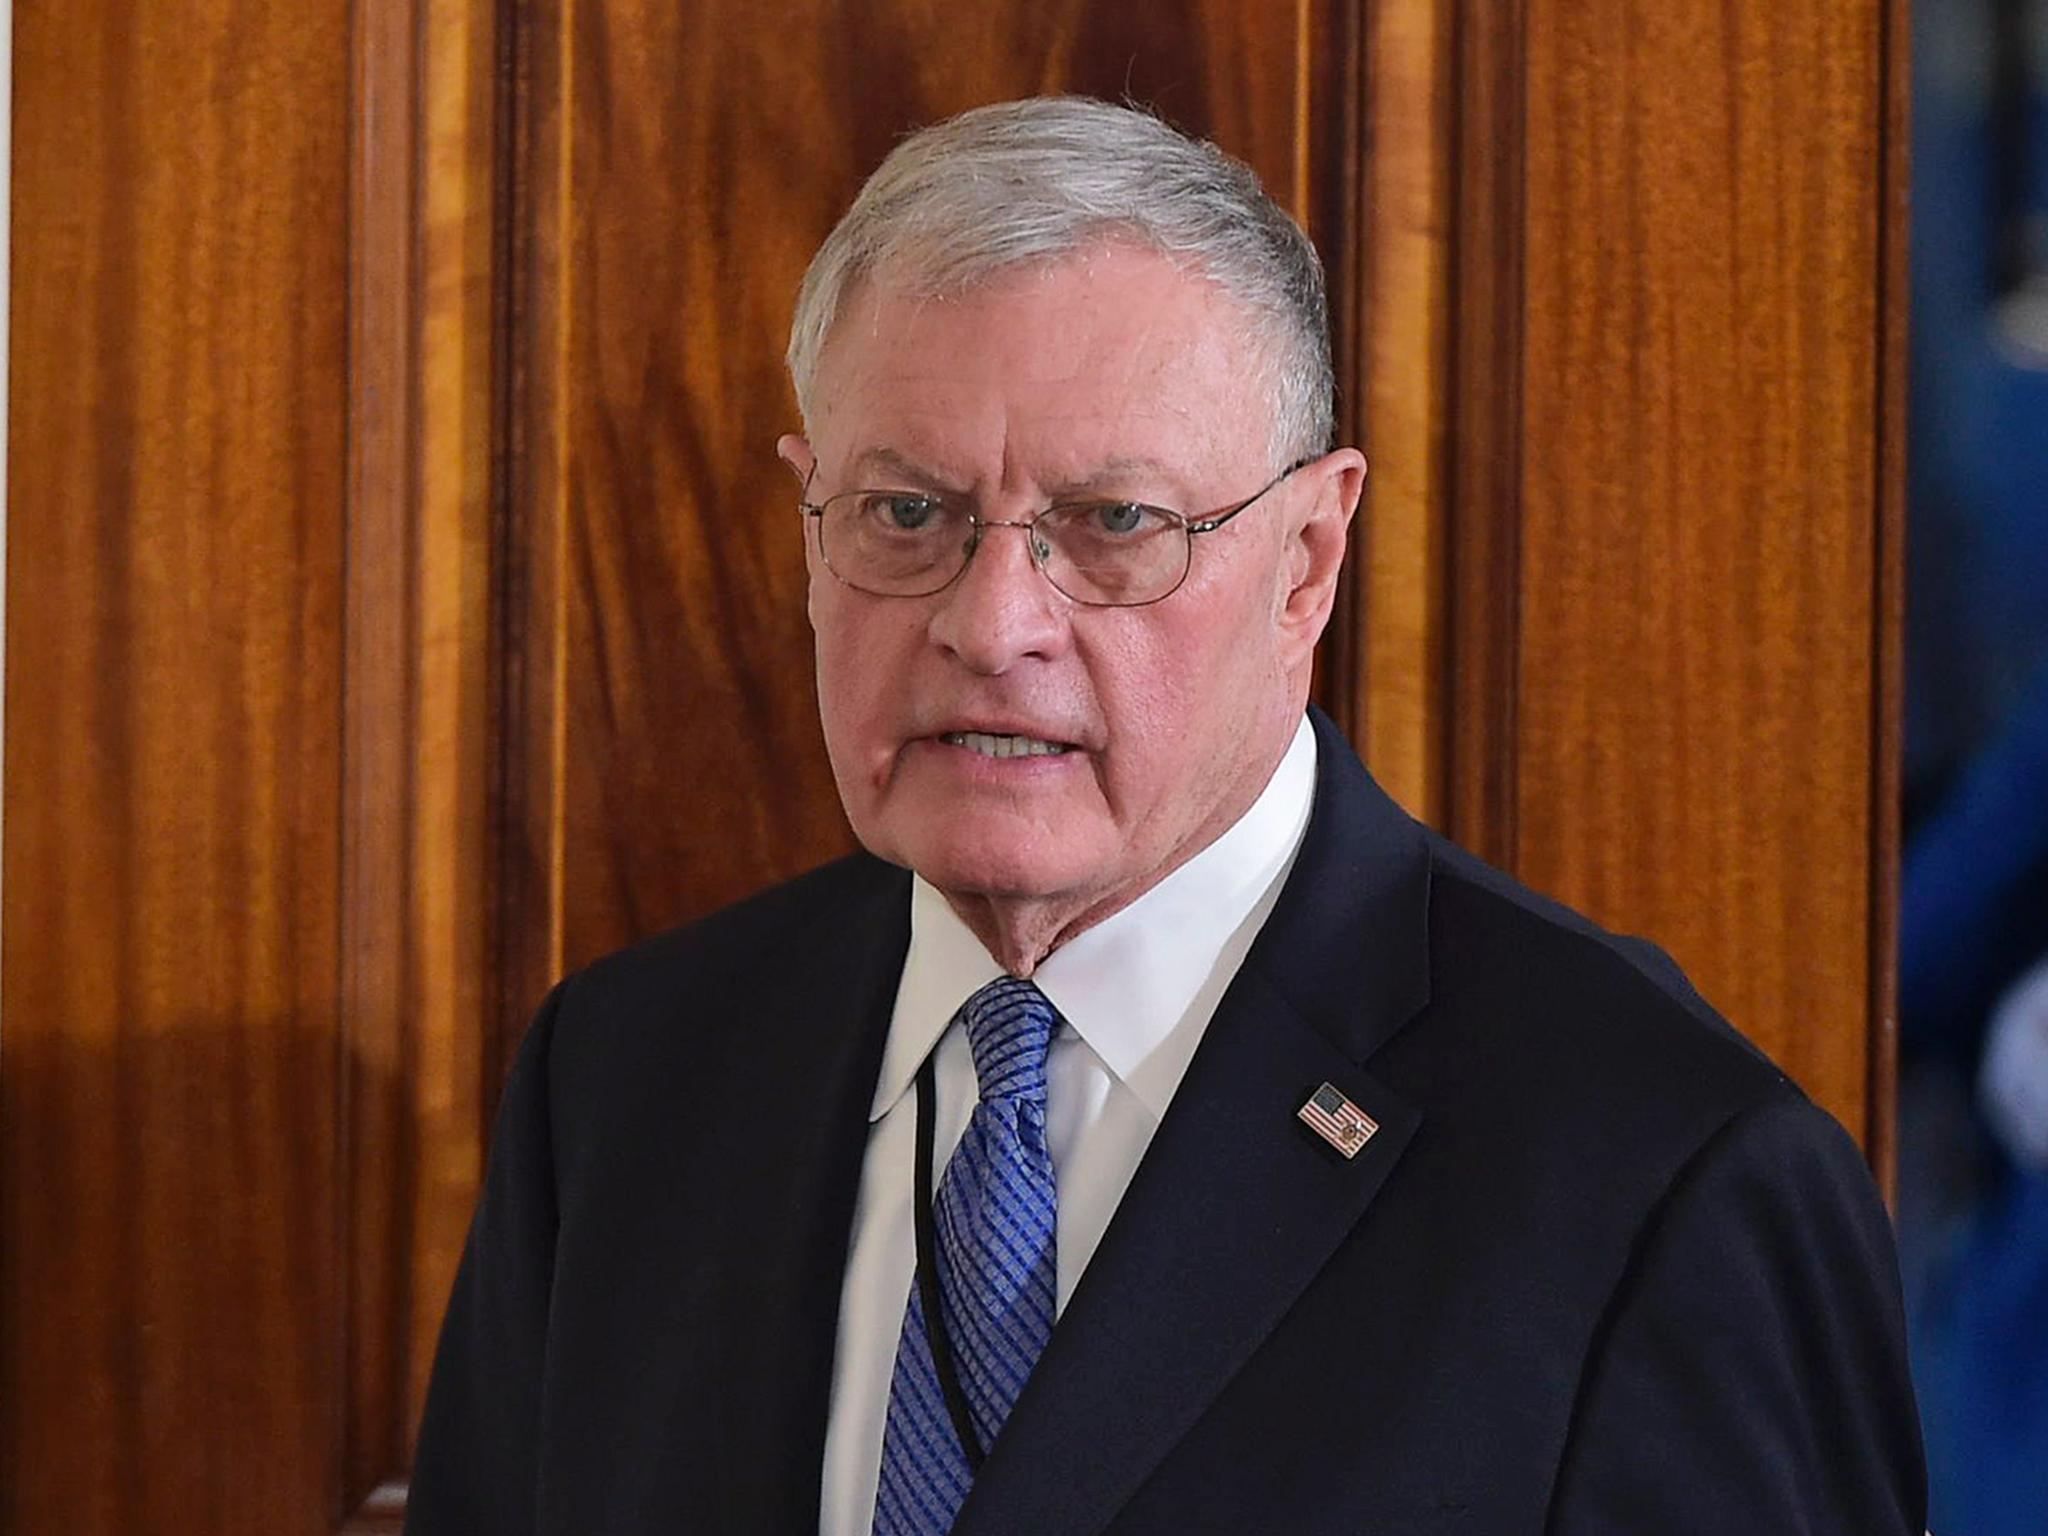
(1113, 355)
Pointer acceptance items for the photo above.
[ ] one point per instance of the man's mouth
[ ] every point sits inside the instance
(988, 745)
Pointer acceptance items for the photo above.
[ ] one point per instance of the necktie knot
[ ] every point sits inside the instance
(1010, 1025)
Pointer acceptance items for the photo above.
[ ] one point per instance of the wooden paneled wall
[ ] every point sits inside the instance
(1703, 398)
(170, 1240)
(405, 603)
(684, 163)
(1615, 312)
(1676, 502)
(420, 805)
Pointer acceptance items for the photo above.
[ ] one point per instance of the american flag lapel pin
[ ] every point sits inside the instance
(1338, 1121)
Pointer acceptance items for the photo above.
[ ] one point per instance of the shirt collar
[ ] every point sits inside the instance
(1129, 985)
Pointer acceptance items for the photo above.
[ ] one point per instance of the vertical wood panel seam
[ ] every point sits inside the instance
(346, 965)
(1508, 570)
(6, 295)
(514, 682)
(406, 1226)
(507, 204)
(348, 850)
(558, 744)
(1893, 149)
(380, 717)
(1350, 297)
(534, 185)
(338, 1215)
(1481, 656)
(1303, 21)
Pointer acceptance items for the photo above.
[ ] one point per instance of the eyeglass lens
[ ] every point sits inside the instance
(908, 544)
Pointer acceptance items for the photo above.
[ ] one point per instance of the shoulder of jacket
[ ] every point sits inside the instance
(1617, 1006)
(762, 929)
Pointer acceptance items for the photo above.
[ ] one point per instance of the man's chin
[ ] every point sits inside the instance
(992, 870)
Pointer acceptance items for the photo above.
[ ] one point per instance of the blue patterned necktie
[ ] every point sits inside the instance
(993, 1220)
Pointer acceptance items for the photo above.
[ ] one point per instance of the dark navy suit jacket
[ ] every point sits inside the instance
(1603, 1268)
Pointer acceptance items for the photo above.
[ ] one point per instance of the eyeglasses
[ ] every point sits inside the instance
(1106, 554)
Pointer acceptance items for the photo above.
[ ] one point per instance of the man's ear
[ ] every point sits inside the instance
(1326, 496)
(796, 452)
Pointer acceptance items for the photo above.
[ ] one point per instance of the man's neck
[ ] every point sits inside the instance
(1021, 932)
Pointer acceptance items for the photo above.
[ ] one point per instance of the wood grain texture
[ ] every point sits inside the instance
(1339, 148)
(678, 167)
(1699, 569)
(1888, 630)
(453, 1078)
(418, 800)
(1483, 497)
(378, 1151)
(169, 1244)
(1403, 364)
(405, 603)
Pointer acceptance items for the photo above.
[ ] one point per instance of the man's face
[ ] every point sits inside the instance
(1108, 375)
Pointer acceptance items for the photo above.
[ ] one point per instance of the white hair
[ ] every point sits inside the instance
(1023, 183)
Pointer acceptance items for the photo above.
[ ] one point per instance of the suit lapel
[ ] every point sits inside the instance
(814, 1044)
(1237, 1205)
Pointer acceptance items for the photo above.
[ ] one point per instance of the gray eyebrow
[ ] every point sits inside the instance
(1091, 484)
(909, 473)
(915, 476)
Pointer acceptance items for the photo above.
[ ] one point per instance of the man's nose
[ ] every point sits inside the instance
(1002, 610)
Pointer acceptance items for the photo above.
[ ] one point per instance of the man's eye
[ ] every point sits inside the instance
(1119, 517)
(900, 513)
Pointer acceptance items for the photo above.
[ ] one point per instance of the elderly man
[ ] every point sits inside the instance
(1155, 1131)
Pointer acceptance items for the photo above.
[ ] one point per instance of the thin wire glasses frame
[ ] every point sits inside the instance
(1060, 545)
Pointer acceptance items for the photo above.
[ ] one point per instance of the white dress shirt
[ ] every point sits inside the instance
(1136, 992)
